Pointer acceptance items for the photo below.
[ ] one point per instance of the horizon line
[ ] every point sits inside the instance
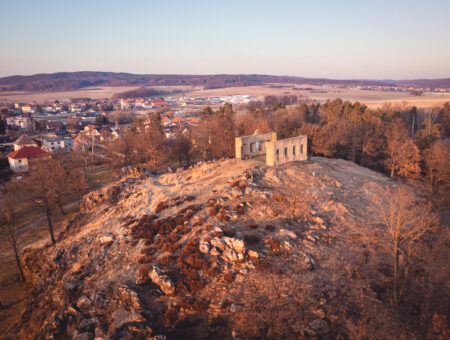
(225, 74)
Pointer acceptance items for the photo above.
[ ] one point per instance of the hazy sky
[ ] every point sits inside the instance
(315, 38)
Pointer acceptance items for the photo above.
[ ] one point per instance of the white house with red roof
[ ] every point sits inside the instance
(19, 160)
(28, 109)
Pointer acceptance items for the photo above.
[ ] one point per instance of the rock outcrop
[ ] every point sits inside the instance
(212, 251)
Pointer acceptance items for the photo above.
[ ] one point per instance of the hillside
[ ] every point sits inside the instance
(66, 81)
(225, 249)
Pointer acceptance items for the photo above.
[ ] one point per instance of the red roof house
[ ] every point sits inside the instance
(18, 160)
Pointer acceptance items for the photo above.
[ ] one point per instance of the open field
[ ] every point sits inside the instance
(89, 92)
(372, 99)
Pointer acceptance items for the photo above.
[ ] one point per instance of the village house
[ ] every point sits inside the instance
(53, 125)
(20, 159)
(53, 144)
(24, 141)
(92, 131)
(138, 103)
(28, 109)
(148, 105)
(165, 121)
(119, 132)
(19, 122)
(106, 134)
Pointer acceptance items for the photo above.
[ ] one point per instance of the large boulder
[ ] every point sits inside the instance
(92, 200)
(162, 280)
(237, 245)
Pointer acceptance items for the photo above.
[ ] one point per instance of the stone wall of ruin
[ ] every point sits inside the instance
(286, 150)
(254, 145)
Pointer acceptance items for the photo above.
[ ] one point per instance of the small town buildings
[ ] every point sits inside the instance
(19, 122)
(119, 132)
(148, 105)
(177, 121)
(124, 104)
(24, 141)
(26, 109)
(20, 159)
(53, 125)
(159, 103)
(165, 121)
(138, 103)
(92, 131)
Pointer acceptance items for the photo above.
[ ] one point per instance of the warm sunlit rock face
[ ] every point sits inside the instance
(226, 249)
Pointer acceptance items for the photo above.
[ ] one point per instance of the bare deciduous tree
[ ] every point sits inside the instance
(8, 226)
(181, 146)
(38, 189)
(402, 156)
(403, 221)
(437, 171)
(69, 183)
(153, 142)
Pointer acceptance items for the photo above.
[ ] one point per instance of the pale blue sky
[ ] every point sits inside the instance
(321, 38)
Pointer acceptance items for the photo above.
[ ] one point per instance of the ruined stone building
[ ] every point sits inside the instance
(277, 151)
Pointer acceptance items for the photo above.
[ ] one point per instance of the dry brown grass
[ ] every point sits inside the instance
(373, 99)
(89, 92)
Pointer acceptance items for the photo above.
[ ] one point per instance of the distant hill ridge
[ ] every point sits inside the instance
(66, 81)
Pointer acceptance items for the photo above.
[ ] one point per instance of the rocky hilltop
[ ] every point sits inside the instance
(225, 249)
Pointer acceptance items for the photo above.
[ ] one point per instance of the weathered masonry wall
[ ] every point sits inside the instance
(287, 150)
(254, 145)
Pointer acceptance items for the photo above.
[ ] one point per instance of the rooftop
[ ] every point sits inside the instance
(24, 140)
(27, 152)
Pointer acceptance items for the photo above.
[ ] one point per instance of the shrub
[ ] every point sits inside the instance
(229, 232)
(142, 272)
(194, 303)
(277, 197)
(163, 205)
(148, 251)
(167, 260)
(228, 277)
(145, 259)
(170, 317)
(270, 228)
(262, 264)
(252, 239)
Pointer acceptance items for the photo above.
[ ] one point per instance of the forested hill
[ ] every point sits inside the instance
(65, 81)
